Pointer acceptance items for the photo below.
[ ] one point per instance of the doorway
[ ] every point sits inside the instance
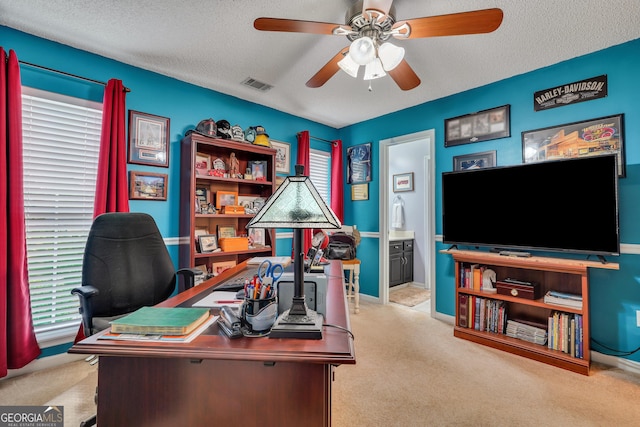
(424, 187)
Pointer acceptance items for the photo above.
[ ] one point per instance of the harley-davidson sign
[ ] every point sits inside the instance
(571, 93)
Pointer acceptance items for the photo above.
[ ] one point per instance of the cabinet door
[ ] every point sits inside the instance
(395, 269)
(407, 273)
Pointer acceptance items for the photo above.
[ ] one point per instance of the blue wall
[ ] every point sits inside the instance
(615, 295)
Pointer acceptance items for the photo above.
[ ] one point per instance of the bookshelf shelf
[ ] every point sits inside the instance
(558, 274)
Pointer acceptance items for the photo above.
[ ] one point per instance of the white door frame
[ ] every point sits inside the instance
(429, 220)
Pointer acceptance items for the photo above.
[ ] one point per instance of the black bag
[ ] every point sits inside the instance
(341, 246)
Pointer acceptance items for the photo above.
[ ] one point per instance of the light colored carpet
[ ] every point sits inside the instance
(411, 371)
(409, 295)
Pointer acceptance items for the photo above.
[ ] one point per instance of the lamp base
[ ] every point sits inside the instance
(303, 326)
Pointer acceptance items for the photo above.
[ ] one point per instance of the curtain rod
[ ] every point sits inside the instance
(126, 89)
(320, 139)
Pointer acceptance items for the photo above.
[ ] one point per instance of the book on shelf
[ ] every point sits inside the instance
(564, 299)
(566, 333)
(161, 320)
(159, 337)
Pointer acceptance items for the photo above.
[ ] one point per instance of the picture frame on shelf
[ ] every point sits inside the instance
(594, 137)
(203, 164)
(359, 164)
(283, 156)
(225, 198)
(257, 236)
(148, 185)
(219, 267)
(259, 170)
(148, 139)
(486, 159)
(225, 231)
(360, 191)
(200, 231)
(403, 182)
(207, 243)
(480, 126)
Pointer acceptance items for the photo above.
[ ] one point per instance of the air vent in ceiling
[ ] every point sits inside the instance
(262, 87)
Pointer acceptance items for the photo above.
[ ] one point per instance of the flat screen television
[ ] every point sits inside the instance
(563, 205)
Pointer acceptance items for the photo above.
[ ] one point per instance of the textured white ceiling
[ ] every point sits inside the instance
(213, 44)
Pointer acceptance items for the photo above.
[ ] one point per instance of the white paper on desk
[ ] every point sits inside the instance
(213, 300)
(284, 260)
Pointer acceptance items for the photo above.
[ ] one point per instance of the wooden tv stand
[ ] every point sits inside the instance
(558, 274)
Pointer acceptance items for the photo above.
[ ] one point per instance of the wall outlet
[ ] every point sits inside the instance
(638, 318)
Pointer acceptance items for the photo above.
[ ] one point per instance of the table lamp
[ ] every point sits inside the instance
(296, 204)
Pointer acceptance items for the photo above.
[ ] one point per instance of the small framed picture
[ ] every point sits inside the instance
(226, 231)
(282, 156)
(148, 139)
(403, 182)
(224, 198)
(208, 243)
(256, 236)
(203, 164)
(259, 170)
(219, 267)
(147, 185)
(485, 159)
(360, 191)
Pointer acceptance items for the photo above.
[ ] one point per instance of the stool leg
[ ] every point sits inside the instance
(356, 290)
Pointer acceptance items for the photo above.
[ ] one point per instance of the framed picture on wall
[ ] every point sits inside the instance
(586, 138)
(486, 159)
(283, 156)
(403, 182)
(147, 185)
(481, 126)
(148, 139)
(359, 164)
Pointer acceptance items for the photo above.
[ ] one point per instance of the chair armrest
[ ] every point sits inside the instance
(189, 275)
(85, 293)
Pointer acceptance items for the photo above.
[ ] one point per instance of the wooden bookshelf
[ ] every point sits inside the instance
(564, 275)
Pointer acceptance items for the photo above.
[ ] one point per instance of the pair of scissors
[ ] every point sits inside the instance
(269, 272)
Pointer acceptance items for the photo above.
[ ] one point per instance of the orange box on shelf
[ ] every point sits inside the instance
(232, 244)
(233, 209)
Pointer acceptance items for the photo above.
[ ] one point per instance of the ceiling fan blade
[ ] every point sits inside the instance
(381, 6)
(295, 26)
(475, 22)
(328, 70)
(404, 76)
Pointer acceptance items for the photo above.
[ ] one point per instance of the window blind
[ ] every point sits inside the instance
(320, 173)
(61, 144)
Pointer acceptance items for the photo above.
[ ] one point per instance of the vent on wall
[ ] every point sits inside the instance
(263, 87)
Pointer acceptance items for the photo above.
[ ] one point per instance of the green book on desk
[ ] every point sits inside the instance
(161, 320)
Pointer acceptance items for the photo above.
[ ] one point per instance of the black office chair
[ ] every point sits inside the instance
(126, 266)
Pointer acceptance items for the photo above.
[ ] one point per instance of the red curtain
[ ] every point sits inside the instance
(17, 338)
(112, 191)
(337, 180)
(303, 159)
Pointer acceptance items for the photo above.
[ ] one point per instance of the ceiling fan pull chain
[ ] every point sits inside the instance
(370, 88)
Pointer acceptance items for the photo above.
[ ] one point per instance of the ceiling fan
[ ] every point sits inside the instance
(370, 24)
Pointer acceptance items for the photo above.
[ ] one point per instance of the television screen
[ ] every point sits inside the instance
(563, 205)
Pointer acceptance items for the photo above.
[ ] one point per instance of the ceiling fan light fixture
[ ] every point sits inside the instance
(390, 55)
(349, 66)
(362, 50)
(374, 70)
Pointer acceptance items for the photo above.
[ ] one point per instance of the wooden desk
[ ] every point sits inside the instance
(214, 380)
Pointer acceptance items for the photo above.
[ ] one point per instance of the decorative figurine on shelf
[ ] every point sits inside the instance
(234, 166)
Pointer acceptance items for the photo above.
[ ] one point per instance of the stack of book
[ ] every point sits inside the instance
(481, 314)
(161, 324)
(564, 299)
(526, 332)
(566, 333)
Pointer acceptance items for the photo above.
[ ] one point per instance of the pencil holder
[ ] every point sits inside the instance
(259, 314)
